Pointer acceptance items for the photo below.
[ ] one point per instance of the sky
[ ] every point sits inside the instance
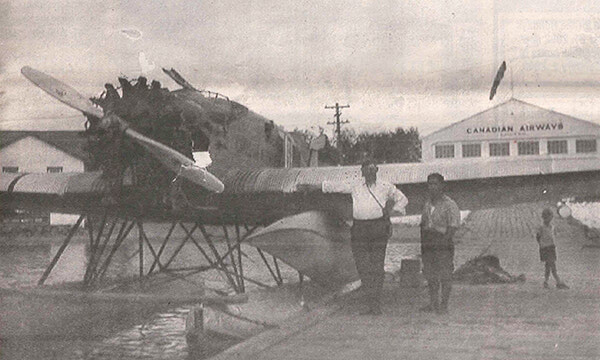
(408, 63)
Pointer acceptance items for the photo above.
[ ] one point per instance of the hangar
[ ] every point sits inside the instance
(513, 130)
(43, 152)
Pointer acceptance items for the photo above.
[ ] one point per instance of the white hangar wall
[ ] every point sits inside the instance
(34, 155)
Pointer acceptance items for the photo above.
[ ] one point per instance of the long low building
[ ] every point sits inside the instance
(513, 130)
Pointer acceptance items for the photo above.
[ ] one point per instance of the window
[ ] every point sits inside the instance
(471, 150)
(529, 147)
(499, 149)
(557, 146)
(585, 146)
(10, 169)
(54, 169)
(444, 151)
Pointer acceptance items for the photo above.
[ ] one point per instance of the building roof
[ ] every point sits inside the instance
(71, 142)
(512, 113)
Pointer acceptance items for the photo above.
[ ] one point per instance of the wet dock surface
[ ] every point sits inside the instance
(507, 321)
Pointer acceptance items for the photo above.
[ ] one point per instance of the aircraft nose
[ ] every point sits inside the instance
(110, 121)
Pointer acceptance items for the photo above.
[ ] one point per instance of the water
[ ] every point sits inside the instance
(161, 335)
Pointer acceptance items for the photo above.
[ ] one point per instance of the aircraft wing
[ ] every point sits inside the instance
(406, 174)
(278, 192)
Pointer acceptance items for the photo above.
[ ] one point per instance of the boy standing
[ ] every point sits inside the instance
(545, 238)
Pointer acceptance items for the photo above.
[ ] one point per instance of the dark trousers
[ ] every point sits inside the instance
(369, 242)
(438, 265)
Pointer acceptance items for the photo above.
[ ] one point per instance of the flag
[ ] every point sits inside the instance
(499, 76)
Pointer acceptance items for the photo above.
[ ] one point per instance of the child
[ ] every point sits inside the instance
(545, 237)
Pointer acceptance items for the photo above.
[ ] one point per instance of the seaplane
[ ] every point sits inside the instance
(280, 211)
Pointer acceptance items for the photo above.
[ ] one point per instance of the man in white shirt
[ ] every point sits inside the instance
(373, 202)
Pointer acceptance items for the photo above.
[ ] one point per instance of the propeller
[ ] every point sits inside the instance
(171, 159)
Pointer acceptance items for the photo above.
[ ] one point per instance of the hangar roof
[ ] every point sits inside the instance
(514, 119)
(68, 141)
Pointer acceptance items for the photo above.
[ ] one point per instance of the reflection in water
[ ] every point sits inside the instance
(20, 266)
(71, 265)
(162, 336)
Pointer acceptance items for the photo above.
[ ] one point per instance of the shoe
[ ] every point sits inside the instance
(429, 308)
(546, 286)
(562, 286)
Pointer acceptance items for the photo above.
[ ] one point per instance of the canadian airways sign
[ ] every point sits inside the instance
(511, 129)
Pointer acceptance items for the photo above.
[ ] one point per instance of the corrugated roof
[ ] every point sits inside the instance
(68, 141)
(49, 183)
(43, 183)
(6, 179)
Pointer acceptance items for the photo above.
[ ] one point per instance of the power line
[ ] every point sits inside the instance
(338, 124)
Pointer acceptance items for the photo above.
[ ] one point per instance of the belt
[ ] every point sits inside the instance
(433, 231)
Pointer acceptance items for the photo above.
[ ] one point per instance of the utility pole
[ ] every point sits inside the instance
(337, 123)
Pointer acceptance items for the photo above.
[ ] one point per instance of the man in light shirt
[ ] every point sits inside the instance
(373, 202)
(439, 222)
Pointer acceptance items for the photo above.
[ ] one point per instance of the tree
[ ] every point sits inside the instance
(397, 146)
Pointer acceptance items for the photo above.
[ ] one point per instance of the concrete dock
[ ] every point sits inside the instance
(506, 321)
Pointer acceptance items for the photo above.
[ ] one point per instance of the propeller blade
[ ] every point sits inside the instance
(62, 92)
(202, 177)
(177, 162)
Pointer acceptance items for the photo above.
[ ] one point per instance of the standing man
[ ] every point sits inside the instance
(373, 202)
(439, 222)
